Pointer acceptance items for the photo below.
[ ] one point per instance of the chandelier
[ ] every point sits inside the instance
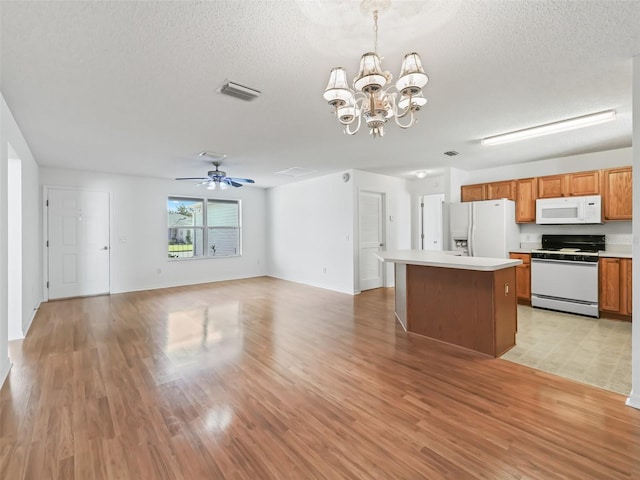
(373, 97)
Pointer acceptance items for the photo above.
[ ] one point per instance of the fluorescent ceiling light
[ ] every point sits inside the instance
(549, 128)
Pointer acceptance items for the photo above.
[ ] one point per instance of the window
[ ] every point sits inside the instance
(200, 227)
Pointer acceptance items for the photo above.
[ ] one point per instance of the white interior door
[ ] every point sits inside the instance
(78, 243)
(371, 233)
(431, 235)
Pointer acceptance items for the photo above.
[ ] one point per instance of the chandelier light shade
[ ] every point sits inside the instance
(338, 92)
(412, 77)
(371, 78)
(373, 97)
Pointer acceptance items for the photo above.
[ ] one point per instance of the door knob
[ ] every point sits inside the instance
(105, 248)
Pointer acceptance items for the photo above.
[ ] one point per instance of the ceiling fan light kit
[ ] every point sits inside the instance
(373, 96)
(550, 128)
(217, 179)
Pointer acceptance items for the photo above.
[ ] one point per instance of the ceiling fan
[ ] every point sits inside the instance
(218, 179)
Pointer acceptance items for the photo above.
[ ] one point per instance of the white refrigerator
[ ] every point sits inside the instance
(484, 229)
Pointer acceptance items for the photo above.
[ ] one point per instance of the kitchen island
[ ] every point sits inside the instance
(466, 301)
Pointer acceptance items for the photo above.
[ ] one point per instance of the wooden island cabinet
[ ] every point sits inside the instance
(465, 301)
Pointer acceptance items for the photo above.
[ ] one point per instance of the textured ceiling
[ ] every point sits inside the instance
(130, 87)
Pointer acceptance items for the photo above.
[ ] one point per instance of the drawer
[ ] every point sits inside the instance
(525, 257)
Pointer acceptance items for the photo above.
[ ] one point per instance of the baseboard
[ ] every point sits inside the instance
(25, 328)
(5, 374)
(615, 316)
(317, 285)
(174, 285)
(633, 400)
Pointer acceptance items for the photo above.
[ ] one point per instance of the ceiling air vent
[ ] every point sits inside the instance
(451, 153)
(295, 172)
(238, 91)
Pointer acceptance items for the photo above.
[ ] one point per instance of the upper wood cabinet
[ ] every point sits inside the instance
(473, 193)
(551, 186)
(488, 191)
(506, 189)
(614, 184)
(526, 194)
(616, 193)
(572, 184)
(583, 183)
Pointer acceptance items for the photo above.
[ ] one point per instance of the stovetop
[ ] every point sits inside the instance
(570, 247)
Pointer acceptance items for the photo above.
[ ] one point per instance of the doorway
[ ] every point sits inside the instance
(77, 242)
(371, 239)
(431, 224)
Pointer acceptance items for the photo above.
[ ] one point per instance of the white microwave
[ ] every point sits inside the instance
(569, 210)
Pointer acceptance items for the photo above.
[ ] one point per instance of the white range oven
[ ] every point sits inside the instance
(564, 273)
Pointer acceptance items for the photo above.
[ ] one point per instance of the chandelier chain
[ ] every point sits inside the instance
(375, 30)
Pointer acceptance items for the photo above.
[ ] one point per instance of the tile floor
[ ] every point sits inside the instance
(596, 351)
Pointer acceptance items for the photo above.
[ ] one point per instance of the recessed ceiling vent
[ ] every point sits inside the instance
(214, 156)
(451, 153)
(238, 91)
(295, 172)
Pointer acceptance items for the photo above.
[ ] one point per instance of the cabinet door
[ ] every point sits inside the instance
(583, 183)
(610, 284)
(473, 193)
(551, 186)
(496, 190)
(523, 276)
(625, 285)
(526, 194)
(617, 193)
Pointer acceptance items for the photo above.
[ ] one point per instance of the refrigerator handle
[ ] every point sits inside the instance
(471, 229)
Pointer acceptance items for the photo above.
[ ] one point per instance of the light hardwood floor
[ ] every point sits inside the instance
(264, 379)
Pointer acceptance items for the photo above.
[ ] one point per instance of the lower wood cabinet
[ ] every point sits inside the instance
(523, 277)
(615, 287)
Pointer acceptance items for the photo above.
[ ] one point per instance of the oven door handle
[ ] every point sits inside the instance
(571, 262)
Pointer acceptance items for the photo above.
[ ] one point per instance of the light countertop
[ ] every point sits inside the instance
(603, 253)
(614, 254)
(446, 260)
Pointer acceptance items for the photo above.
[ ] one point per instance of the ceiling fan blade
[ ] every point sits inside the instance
(192, 178)
(243, 180)
(229, 181)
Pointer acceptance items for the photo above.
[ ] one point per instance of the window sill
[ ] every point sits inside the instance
(209, 257)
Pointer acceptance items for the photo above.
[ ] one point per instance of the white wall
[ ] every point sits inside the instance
(313, 236)
(14, 245)
(138, 230)
(634, 397)
(4, 258)
(311, 232)
(31, 252)
(575, 163)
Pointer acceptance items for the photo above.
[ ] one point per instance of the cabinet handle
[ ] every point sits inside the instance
(506, 289)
